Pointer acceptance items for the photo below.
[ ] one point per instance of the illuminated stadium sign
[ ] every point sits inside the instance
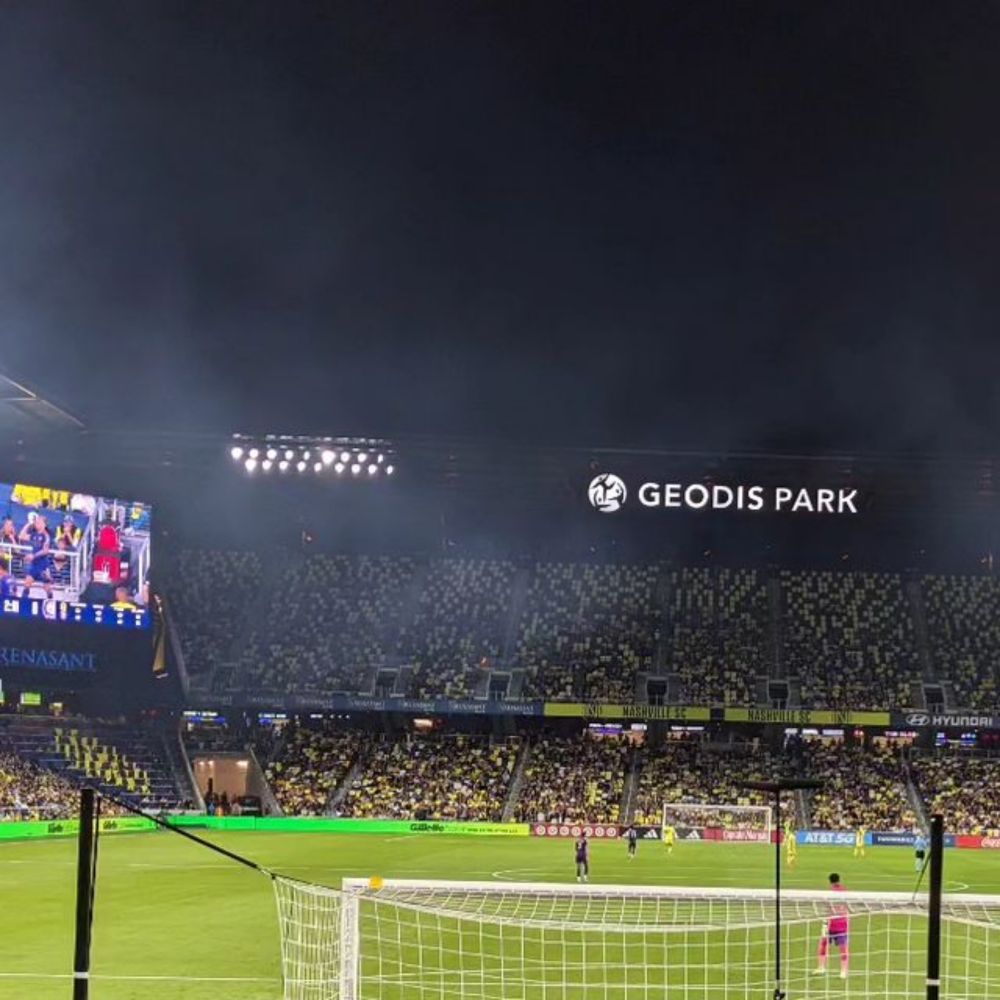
(73, 557)
(608, 493)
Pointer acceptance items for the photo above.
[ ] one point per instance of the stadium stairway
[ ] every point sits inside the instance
(914, 797)
(631, 786)
(516, 781)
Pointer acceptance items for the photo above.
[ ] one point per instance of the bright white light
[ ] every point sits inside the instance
(289, 454)
(318, 467)
(272, 454)
(345, 457)
(254, 453)
(301, 466)
(305, 455)
(283, 465)
(380, 459)
(250, 464)
(362, 458)
(390, 469)
(327, 456)
(372, 469)
(237, 452)
(339, 468)
(355, 469)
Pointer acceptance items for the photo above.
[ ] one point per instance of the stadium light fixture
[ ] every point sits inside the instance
(364, 457)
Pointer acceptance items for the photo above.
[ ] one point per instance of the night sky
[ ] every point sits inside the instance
(688, 224)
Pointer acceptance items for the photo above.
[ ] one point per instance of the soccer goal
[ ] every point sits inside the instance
(703, 820)
(438, 940)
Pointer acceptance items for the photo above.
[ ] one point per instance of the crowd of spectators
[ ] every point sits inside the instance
(27, 791)
(309, 765)
(963, 626)
(717, 632)
(435, 778)
(587, 630)
(848, 637)
(458, 625)
(570, 779)
(208, 592)
(332, 624)
(864, 787)
(963, 786)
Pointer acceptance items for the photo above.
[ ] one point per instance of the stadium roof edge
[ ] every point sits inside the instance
(25, 410)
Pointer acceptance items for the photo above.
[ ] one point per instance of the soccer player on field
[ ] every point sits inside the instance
(582, 859)
(791, 847)
(669, 837)
(859, 842)
(835, 933)
(633, 842)
(919, 850)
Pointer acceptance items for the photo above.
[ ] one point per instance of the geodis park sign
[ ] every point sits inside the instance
(609, 493)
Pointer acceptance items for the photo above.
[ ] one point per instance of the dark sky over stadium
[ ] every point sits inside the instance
(674, 223)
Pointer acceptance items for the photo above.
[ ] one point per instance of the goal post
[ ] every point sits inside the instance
(443, 940)
(704, 820)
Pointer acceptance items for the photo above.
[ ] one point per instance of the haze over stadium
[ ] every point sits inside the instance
(458, 464)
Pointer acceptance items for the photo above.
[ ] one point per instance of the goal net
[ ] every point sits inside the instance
(702, 820)
(435, 940)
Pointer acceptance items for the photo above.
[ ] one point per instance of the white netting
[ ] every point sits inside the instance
(487, 941)
(739, 824)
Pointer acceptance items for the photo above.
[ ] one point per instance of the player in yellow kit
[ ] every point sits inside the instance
(669, 838)
(859, 842)
(791, 847)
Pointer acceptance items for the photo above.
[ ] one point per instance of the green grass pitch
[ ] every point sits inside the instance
(174, 921)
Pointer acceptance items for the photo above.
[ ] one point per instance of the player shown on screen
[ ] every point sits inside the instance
(8, 542)
(791, 846)
(633, 841)
(859, 842)
(8, 587)
(38, 562)
(919, 849)
(582, 859)
(835, 933)
(669, 838)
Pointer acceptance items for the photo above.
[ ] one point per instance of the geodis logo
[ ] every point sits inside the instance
(607, 493)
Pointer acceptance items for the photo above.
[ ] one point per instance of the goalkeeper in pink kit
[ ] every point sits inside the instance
(835, 934)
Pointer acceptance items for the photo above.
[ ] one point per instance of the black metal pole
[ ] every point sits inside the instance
(934, 909)
(779, 994)
(84, 895)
